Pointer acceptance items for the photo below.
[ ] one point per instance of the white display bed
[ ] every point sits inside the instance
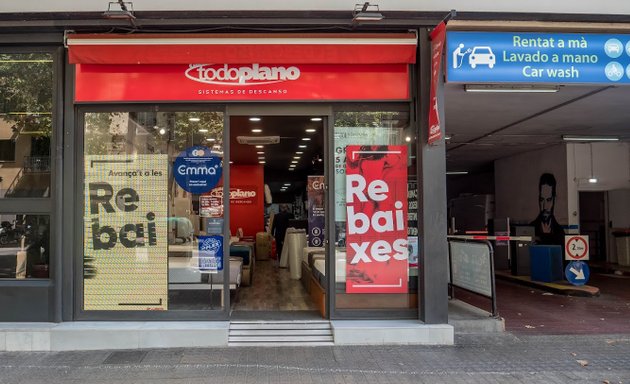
(184, 273)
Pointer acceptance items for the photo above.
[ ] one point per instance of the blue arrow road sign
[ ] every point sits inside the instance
(577, 272)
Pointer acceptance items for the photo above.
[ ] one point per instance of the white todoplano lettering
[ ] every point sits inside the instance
(245, 75)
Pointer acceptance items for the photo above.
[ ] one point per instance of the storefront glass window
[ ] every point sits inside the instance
(26, 83)
(24, 246)
(375, 204)
(146, 246)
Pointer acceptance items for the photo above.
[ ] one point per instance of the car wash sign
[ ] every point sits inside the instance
(513, 57)
(376, 225)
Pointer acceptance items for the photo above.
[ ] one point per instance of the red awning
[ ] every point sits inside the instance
(347, 48)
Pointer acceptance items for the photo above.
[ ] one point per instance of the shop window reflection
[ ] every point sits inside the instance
(24, 246)
(157, 138)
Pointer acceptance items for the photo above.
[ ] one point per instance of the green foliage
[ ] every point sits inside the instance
(367, 119)
(26, 82)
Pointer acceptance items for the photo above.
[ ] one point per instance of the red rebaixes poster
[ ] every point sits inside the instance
(376, 224)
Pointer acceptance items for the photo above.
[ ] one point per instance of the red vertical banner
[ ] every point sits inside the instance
(376, 224)
(437, 47)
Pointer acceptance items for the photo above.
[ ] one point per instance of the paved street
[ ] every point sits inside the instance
(501, 358)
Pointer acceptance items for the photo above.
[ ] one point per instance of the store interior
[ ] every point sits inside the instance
(282, 151)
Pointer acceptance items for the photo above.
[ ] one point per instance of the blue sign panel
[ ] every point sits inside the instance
(512, 57)
(197, 170)
(210, 253)
(577, 272)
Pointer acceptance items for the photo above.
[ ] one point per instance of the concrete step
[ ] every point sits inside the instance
(274, 333)
(466, 318)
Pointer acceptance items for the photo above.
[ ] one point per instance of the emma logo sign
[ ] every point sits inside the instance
(255, 74)
(197, 170)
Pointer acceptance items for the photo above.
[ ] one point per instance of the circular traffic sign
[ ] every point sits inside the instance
(577, 273)
(576, 247)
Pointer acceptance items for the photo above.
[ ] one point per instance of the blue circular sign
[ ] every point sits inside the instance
(577, 273)
(197, 170)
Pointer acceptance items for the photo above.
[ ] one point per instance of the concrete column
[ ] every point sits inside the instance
(432, 218)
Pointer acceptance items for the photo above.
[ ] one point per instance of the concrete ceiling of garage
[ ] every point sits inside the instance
(489, 126)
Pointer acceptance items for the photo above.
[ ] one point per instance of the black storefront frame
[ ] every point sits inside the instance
(431, 163)
(45, 292)
(78, 206)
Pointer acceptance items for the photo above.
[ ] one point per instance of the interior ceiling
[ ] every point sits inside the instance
(488, 126)
(278, 157)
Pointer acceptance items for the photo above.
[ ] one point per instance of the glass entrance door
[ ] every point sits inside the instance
(277, 210)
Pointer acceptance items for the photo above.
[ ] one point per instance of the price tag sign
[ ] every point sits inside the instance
(576, 247)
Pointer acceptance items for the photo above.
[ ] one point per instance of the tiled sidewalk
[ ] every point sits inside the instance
(503, 358)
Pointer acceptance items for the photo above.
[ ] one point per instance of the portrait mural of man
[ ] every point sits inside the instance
(547, 229)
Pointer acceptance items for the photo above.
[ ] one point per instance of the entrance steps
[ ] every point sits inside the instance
(280, 333)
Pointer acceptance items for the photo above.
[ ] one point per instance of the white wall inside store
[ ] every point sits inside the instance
(619, 208)
(610, 165)
(516, 184)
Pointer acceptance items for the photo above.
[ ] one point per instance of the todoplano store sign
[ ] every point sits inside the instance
(242, 67)
(223, 82)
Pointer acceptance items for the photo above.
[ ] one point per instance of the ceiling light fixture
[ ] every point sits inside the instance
(287, 184)
(194, 119)
(254, 119)
(589, 138)
(512, 88)
(302, 146)
(299, 152)
(591, 179)
(457, 172)
(407, 139)
(296, 157)
(261, 162)
(366, 12)
(316, 119)
(311, 130)
(261, 158)
(306, 139)
(162, 131)
(260, 153)
(203, 130)
(260, 146)
(294, 162)
(211, 139)
(256, 130)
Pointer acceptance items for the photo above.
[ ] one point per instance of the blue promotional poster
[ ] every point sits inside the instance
(210, 253)
(197, 170)
(525, 57)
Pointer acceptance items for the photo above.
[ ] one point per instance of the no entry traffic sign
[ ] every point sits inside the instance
(576, 247)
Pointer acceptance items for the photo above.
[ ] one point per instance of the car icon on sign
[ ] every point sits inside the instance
(482, 56)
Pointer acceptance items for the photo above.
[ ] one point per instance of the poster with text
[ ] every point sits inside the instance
(345, 136)
(376, 226)
(125, 233)
(316, 211)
